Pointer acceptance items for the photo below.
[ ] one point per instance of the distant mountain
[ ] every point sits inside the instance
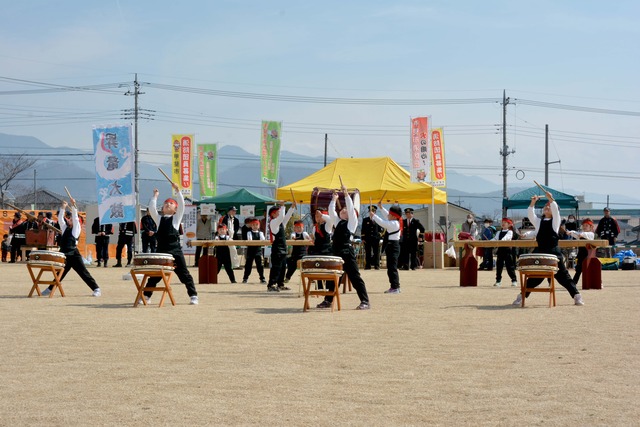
(237, 168)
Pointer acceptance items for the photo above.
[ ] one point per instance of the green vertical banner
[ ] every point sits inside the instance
(270, 152)
(208, 169)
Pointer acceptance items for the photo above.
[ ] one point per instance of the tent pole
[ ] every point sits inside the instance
(433, 226)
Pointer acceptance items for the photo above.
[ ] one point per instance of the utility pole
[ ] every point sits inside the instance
(136, 114)
(35, 193)
(546, 156)
(505, 149)
(326, 138)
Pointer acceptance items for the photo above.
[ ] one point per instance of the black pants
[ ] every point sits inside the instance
(562, 276)
(350, 268)
(582, 255)
(74, 260)
(224, 259)
(487, 258)
(278, 267)
(102, 248)
(122, 242)
(181, 271)
(292, 265)
(505, 259)
(16, 246)
(251, 257)
(372, 253)
(200, 250)
(393, 252)
(409, 255)
(149, 244)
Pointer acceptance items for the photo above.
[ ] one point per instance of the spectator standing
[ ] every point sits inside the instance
(204, 231)
(148, 228)
(125, 238)
(608, 229)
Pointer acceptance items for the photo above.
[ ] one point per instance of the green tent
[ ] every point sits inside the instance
(237, 198)
(522, 199)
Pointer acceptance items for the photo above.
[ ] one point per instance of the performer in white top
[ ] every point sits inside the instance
(393, 226)
(505, 255)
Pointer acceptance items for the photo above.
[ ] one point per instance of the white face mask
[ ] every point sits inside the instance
(469, 220)
(571, 220)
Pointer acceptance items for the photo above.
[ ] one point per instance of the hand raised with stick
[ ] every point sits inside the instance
(71, 199)
(175, 186)
(293, 199)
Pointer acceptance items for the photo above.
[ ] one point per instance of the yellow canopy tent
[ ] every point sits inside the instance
(372, 176)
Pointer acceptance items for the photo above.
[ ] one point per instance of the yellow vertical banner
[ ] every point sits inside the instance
(438, 167)
(181, 162)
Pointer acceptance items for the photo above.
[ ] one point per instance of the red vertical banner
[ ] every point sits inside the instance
(438, 167)
(419, 145)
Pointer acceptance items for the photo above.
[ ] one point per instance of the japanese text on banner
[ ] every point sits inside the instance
(270, 152)
(115, 180)
(208, 169)
(419, 145)
(438, 166)
(181, 148)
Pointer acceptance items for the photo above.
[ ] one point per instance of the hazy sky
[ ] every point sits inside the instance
(353, 69)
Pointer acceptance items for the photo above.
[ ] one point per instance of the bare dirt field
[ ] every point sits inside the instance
(437, 354)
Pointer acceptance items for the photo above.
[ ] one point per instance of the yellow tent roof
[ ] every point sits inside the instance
(374, 177)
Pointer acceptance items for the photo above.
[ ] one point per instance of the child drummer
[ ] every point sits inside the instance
(168, 240)
(505, 255)
(298, 251)
(546, 231)
(393, 227)
(588, 234)
(277, 220)
(254, 253)
(345, 225)
(71, 229)
(223, 254)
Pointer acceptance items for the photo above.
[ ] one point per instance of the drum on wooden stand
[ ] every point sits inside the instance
(52, 258)
(152, 262)
(320, 264)
(538, 262)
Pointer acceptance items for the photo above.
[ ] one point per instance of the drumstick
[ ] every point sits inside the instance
(69, 194)
(293, 199)
(382, 198)
(540, 186)
(341, 184)
(370, 204)
(166, 176)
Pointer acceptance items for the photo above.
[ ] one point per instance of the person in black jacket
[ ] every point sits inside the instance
(18, 231)
(148, 228)
(608, 229)
(370, 233)
(102, 233)
(125, 238)
(411, 227)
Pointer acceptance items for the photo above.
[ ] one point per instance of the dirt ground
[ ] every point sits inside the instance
(437, 354)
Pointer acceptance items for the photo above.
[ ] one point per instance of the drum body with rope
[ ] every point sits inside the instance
(52, 258)
(320, 264)
(538, 262)
(156, 261)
